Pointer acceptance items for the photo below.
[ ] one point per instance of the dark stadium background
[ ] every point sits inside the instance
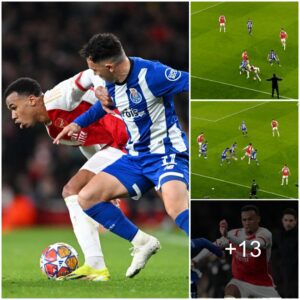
(42, 40)
(205, 218)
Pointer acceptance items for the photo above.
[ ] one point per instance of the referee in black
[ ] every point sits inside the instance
(275, 80)
(253, 190)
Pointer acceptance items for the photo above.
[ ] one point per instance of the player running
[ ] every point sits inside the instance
(254, 156)
(143, 92)
(249, 26)
(245, 56)
(244, 67)
(200, 140)
(243, 128)
(285, 175)
(232, 151)
(224, 156)
(250, 259)
(256, 71)
(248, 152)
(102, 143)
(283, 36)
(222, 23)
(274, 125)
(273, 57)
(204, 150)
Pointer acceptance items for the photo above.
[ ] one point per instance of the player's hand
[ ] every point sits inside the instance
(223, 227)
(68, 130)
(104, 97)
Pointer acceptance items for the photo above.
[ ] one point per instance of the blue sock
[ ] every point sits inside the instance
(112, 218)
(182, 221)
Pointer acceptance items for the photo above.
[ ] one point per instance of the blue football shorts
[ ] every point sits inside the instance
(140, 173)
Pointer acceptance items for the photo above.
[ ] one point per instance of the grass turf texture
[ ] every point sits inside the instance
(166, 274)
(216, 56)
(220, 121)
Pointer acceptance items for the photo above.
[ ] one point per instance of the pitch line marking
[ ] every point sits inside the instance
(238, 184)
(238, 86)
(201, 10)
(230, 115)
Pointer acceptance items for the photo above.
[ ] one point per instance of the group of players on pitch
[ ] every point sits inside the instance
(229, 153)
(245, 66)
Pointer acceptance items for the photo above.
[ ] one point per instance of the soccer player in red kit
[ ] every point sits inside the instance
(285, 175)
(200, 140)
(222, 22)
(102, 143)
(274, 125)
(245, 55)
(250, 259)
(283, 37)
(248, 152)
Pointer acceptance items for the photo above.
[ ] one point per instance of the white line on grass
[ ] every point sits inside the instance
(238, 184)
(230, 115)
(201, 10)
(237, 86)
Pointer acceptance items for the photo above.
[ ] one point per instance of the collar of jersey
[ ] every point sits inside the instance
(130, 71)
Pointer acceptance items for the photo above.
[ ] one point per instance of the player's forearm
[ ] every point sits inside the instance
(83, 80)
(93, 114)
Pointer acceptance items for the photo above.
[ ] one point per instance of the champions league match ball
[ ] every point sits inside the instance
(58, 260)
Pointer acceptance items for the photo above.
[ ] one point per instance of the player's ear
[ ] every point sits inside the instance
(32, 100)
(109, 67)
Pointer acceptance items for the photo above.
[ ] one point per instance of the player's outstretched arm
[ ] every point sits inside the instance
(104, 97)
(223, 227)
(68, 130)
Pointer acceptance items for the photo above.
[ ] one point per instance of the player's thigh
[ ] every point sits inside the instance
(175, 197)
(77, 182)
(102, 187)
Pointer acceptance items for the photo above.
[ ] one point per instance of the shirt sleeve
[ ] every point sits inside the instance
(164, 80)
(93, 114)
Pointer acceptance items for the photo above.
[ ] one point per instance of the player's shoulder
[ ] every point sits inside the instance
(264, 232)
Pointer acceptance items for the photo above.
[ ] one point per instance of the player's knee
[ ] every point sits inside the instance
(233, 291)
(70, 189)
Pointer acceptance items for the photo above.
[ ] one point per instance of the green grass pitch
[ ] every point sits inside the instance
(220, 122)
(215, 56)
(165, 276)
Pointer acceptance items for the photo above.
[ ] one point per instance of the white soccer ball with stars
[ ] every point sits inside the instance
(58, 260)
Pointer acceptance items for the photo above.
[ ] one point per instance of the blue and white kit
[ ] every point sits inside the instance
(157, 146)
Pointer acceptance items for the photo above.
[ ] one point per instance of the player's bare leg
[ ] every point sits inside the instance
(86, 231)
(102, 188)
(231, 291)
(175, 198)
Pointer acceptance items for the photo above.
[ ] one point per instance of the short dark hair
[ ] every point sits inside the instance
(251, 207)
(290, 211)
(102, 46)
(24, 86)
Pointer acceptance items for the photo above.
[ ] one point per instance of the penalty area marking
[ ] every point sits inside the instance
(241, 185)
(231, 115)
(204, 9)
(238, 86)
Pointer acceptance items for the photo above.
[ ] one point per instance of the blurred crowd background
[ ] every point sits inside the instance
(214, 273)
(42, 40)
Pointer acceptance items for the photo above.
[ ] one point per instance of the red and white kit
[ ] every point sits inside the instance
(249, 150)
(251, 274)
(200, 139)
(285, 172)
(222, 20)
(68, 100)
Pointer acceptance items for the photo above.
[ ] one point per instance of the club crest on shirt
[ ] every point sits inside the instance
(172, 74)
(135, 96)
(60, 123)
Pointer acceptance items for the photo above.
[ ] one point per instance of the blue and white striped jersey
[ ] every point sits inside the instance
(145, 101)
(204, 147)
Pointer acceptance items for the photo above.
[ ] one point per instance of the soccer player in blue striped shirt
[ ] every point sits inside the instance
(249, 26)
(142, 90)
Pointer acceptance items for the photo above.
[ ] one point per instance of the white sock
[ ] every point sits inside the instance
(140, 238)
(86, 232)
